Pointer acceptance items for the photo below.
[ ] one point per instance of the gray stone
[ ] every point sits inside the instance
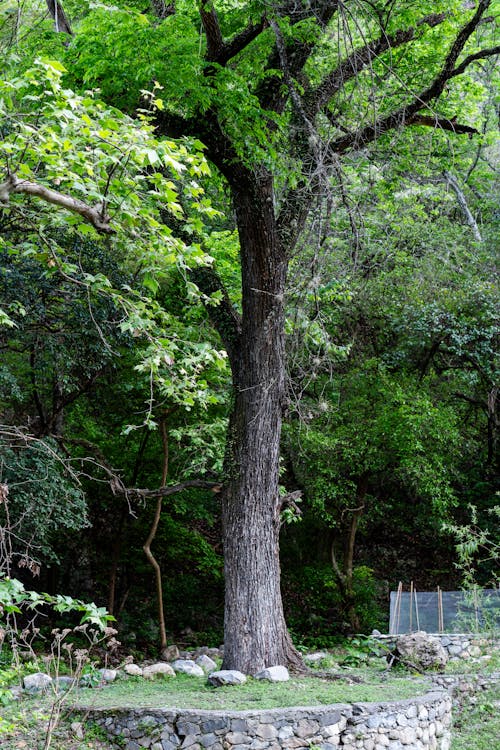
(170, 653)
(108, 675)
(259, 745)
(306, 728)
(316, 656)
(420, 650)
(273, 674)
(167, 745)
(332, 717)
(132, 745)
(187, 666)
(206, 663)
(213, 724)
(160, 669)
(208, 739)
(236, 738)
(266, 731)
(226, 677)
(36, 682)
(63, 683)
(239, 725)
(185, 728)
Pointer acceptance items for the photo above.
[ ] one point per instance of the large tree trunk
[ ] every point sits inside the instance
(255, 633)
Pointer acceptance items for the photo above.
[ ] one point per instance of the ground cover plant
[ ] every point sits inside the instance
(477, 727)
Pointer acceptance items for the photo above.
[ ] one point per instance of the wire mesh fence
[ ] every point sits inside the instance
(474, 611)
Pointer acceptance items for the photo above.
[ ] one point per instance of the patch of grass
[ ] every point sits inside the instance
(192, 692)
(477, 727)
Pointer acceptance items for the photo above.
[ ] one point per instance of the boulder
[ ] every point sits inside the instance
(273, 674)
(133, 670)
(108, 675)
(35, 682)
(226, 677)
(206, 663)
(160, 669)
(419, 650)
(170, 653)
(187, 666)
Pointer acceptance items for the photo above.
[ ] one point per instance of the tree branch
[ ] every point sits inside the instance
(443, 123)
(210, 21)
(93, 214)
(360, 58)
(406, 114)
(241, 40)
(488, 52)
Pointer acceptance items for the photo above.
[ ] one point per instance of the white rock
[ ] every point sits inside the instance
(37, 681)
(187, 666)
(206, 663)
(165, 670)
(108, 675)
(273, 674)
(227, 677)
(133, 670)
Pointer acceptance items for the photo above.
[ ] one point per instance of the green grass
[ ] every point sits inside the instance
(191, 692)
(477, 727)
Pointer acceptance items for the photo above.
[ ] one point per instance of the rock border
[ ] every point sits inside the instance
(420, 723)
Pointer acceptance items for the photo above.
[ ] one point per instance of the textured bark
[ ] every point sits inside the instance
(255, 631)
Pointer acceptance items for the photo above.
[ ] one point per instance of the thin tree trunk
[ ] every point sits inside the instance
(255, 631)
(151, 536)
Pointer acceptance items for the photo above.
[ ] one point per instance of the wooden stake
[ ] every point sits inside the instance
(411, 606)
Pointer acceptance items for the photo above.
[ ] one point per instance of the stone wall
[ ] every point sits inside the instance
(421, 723)
(457, 645)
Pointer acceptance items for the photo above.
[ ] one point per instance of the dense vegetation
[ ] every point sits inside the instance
(160, 169)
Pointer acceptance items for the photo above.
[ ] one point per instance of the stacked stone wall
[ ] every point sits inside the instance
(421, 723)
(457, 645)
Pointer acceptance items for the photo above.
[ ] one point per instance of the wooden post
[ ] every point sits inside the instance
(411, 607)
(416, 608)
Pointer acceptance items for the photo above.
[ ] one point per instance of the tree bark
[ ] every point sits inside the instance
(255, 631)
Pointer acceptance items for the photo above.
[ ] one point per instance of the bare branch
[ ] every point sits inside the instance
(360, 58)
(93, 214)
(488, 52)
(406, 114)
(443, 123)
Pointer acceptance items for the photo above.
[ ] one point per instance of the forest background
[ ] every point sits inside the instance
(121, 270)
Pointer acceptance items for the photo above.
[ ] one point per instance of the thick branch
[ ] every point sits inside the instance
(488, 52)
(360, 58)
(443, 123)
(93, 214)
(61, 21)
(271, 93)
(210, 21)
(406, 114)
(240, 41)
(201, 484)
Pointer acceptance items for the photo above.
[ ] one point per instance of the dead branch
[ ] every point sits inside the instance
(93, 214)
